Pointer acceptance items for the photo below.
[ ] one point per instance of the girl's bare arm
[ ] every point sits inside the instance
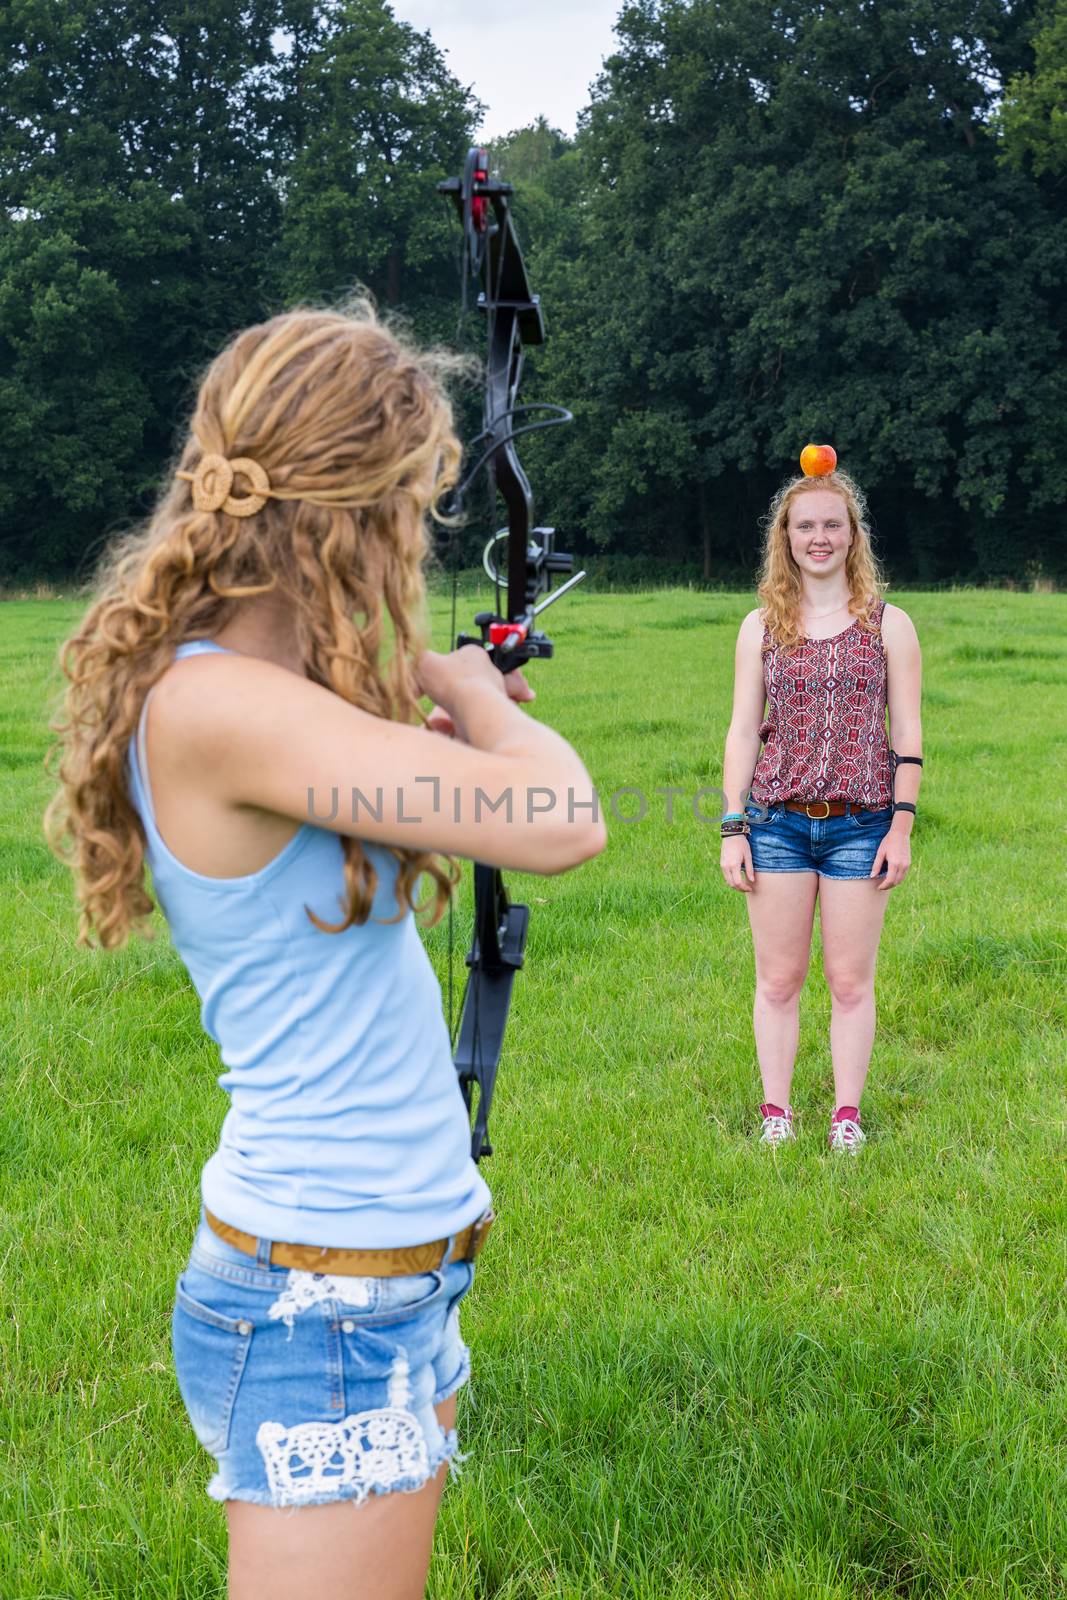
(507, 791)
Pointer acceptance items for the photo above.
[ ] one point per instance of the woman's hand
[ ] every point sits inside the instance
(439, 721)
(895, 851)
(735, 859)
(442, 677)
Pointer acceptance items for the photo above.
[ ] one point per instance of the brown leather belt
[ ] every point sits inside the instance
(397, 1262)
(825, 808)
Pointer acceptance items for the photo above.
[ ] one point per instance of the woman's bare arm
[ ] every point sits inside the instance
(507, 791)
(742, 738)
(904, 696)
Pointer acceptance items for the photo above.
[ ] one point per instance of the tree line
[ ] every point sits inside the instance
(839, 222)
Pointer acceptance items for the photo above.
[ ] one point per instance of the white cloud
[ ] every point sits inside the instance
(523, 64)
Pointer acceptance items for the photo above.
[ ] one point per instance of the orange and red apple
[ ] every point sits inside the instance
(816, 460)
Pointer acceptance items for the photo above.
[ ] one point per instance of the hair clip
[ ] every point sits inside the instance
(213, 480)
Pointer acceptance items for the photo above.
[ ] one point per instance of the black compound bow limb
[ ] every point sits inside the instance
(509, 633)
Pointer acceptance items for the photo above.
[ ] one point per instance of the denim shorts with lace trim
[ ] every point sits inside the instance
(309, 1387)
(833, 847)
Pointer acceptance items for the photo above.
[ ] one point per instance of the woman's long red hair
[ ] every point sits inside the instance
(779, 588)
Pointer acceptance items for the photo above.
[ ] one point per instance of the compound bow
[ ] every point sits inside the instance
(510, 634)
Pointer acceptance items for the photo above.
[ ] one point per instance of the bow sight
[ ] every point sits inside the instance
(514, 641)
(509, 634)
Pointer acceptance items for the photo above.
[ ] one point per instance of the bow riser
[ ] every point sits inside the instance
(510, 636)
(496, 954)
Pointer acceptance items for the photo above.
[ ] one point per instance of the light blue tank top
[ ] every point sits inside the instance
(346, 1124)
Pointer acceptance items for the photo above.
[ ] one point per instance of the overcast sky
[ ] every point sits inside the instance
(534, 60)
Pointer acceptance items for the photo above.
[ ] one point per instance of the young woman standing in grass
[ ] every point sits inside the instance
(824, 821)
(251, 663)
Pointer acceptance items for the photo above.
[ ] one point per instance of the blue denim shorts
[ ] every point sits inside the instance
(309, 1387)
(834, 847)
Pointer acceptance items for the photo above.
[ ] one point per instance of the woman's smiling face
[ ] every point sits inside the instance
(819, 531)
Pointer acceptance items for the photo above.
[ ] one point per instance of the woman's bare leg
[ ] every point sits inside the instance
(851, 913)
(781, 911)
(379, 1550)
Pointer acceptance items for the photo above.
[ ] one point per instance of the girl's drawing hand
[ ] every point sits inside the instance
(442, 677)
(439, 721)
(515, 686)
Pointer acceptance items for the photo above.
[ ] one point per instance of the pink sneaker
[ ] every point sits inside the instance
(845, 1131)
(777, 1124)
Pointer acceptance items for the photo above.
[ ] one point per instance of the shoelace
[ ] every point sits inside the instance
(775, 1128)
(846, 1135)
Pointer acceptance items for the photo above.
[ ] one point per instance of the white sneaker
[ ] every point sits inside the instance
(777, 1129)
(846, 1135)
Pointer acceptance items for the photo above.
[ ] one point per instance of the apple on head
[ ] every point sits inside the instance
(816, 460)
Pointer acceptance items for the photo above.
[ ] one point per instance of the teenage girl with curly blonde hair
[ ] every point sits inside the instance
(829, 818)
(242, 717)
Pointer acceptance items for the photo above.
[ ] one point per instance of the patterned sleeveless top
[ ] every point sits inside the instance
(824, 737)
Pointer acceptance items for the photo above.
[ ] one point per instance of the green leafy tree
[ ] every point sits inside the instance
(136, 215)
(385, 121)
(72, 406)
(795, 228)
(547, 173)
(1033, 118)
(169, 173)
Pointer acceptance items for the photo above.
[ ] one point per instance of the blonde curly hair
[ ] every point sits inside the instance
(354, 428)
(779, 587)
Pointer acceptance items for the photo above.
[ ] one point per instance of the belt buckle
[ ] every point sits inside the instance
(808, 805)
(479, 1228)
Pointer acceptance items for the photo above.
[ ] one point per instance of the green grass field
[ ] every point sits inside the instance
(700, 1369)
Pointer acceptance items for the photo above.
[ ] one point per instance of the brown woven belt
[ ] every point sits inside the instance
(394, 1263)
(824, 808)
